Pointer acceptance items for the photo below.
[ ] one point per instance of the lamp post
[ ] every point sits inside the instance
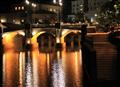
(28, 25)
(58, 24)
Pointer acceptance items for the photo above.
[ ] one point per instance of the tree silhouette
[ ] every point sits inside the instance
(109, 13)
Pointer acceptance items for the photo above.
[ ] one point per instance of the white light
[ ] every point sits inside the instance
(22, 20)
(58, 40)
(81, 5)
(22, 7)
(50, 9)
(19, 8)
(92, 20)
(28, 41)
(58, 75)
(27, 2)
(95, 15)
(3, 20)
(54, 1)
(97, 22)
(4, 35)
(60, 2)
(81, 9)
(34, 5)
(15, 8)
(22, 33)
(34, 32)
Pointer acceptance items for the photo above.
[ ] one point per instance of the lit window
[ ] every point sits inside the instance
(22, 20)
(13, 21)
(50, 9)
(22, 7)
(54, 10)
(18, 8)
(81, 5)
(3, 20)
(81, 9)
(15, 8)
(92, 19)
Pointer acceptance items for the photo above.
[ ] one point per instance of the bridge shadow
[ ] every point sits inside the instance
(72, 42)
(46, 42)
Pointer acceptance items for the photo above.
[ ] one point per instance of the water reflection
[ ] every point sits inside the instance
(10, 69)
(35, 69)
(21, 68)
(58, 76)
(28, 70)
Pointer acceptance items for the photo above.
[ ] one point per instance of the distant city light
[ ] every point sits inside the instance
(28, 41)
(27, 2)
(22, 33)
(34, 5)
(54, 1)
(60, 2)
(95, 15)
(3, 20)
(92, 20)
(34, 32)
(58, 40)
(22, 7)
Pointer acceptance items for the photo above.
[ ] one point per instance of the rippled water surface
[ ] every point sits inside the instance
(35, 69)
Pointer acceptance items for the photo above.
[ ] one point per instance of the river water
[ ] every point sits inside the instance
(35, 69)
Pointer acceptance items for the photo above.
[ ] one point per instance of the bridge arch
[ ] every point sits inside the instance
(72, 41)
(46, 42)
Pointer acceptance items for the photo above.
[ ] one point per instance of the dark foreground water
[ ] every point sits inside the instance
(35, 69)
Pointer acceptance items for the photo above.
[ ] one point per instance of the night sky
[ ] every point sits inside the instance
(4, 4)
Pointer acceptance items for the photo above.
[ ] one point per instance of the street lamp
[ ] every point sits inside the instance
(58, 25)
(28, 27)
(59, 14)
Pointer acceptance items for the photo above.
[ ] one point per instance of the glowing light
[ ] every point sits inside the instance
(21, 68)
(58, 40)
(4, 35)
(58, 54)
(34, 5)
(60, 2)
(27, 2)
(15, 8)
(28, 75)
(80, 56)
(22, 7)
(34, 32)
(28, 72)
(92, 20)
(28, 41)
(22, 33)
(3, 20)
(54, 1)
(58, 74)
(95, 15)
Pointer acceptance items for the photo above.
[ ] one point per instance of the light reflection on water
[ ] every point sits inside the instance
(28, 71)
(58, 76)
(42, 69)
(28, 75)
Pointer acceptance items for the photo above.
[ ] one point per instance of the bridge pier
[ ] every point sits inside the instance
(28, 35)
(58, 37)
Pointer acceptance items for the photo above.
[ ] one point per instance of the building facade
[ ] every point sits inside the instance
(90, 8)
(77, 6)
(34, 13)
(94, 7)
